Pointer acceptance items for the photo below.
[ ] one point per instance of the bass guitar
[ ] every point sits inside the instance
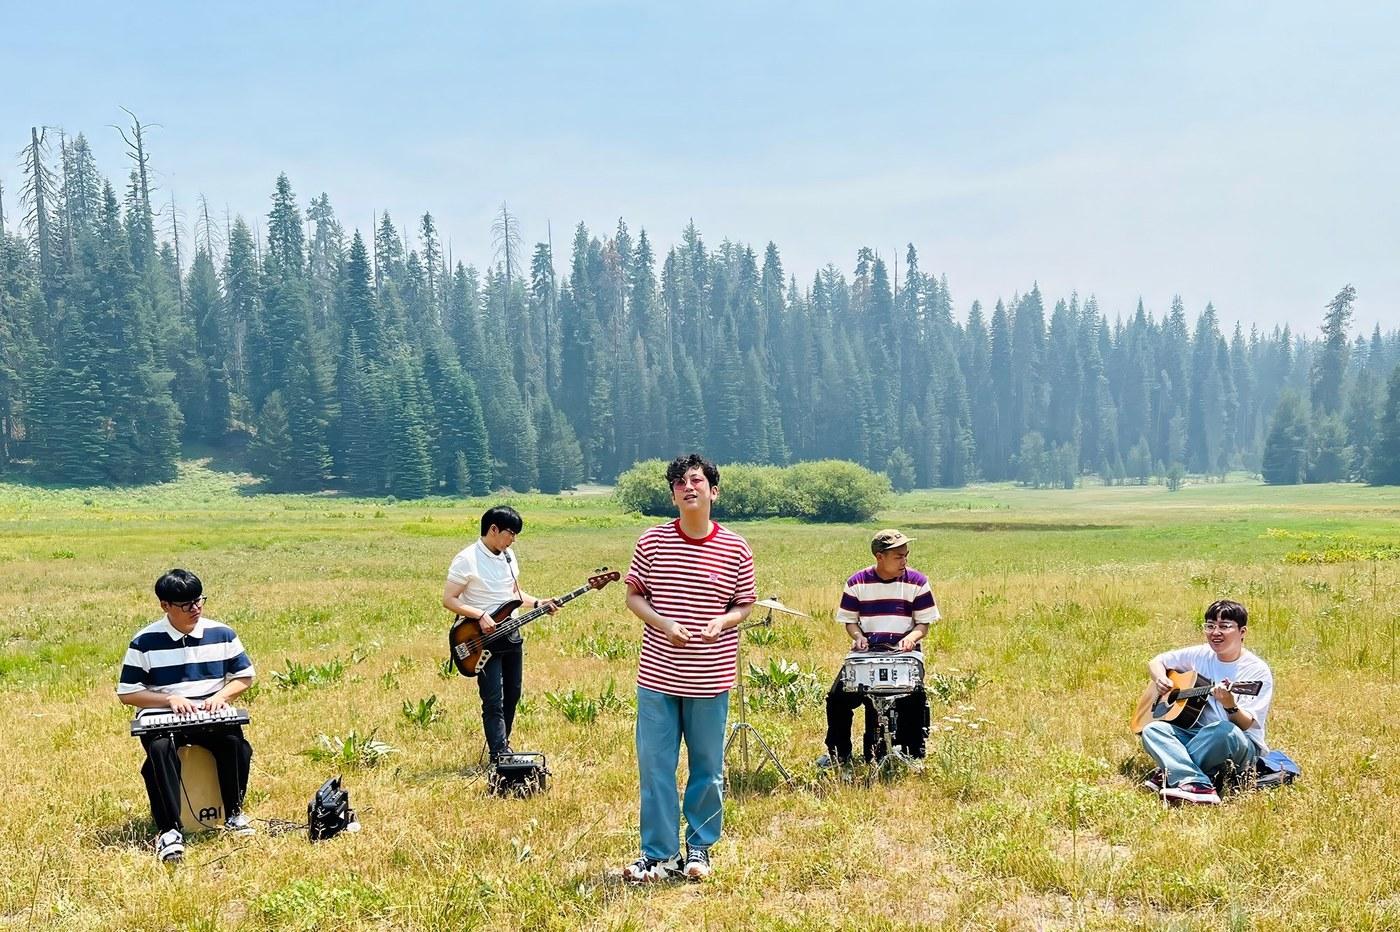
(469, 646)
(1183, 704)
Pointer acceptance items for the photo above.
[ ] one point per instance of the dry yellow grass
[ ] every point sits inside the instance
(1031, 820)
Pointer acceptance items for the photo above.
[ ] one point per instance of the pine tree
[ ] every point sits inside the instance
(1286, 448)
(1329, 367)
(1361, 423)
(1385, 455)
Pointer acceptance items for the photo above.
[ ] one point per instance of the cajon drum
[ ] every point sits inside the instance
(201, 805)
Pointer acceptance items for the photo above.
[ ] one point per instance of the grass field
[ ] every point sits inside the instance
(1026, 815)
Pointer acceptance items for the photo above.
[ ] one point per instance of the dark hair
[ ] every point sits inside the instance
(179, 586)
(684, 464)
(1226, 610)
(503, 517)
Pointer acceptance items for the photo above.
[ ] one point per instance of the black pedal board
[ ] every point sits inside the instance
(518, 774)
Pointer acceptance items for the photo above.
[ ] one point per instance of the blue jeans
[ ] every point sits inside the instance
(1198, 755)
(662, 720)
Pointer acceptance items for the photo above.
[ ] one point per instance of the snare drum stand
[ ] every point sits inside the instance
(885, 718)
(739, 731)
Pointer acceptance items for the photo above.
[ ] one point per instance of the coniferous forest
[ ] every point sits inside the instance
(322, 357)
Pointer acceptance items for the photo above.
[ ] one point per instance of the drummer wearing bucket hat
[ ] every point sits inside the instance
(887, 606)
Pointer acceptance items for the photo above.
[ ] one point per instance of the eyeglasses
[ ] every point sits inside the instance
(189, 606)
(1222, 628)
(683, 482)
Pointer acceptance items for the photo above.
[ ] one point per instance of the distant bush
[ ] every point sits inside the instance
(827, 490)
(643, 488)
(748, 492)
(837, 490)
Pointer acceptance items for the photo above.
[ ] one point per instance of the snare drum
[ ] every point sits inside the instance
(882, 674)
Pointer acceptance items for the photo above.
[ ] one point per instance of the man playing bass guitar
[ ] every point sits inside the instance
(481, 578)
(1228, 738)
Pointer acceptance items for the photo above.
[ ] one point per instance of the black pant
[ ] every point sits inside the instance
(911, 723)
(500, 682)
(232, 756)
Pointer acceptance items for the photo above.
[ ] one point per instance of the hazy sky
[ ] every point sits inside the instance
(1242, 153)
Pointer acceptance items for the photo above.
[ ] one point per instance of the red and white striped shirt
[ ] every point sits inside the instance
(690, 581)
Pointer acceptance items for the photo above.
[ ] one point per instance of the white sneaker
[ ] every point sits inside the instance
(650, 870)
(170, 846)
(697, 864)
(238, 824)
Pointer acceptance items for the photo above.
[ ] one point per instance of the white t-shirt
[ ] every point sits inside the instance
(1201, 659)
(489, 578)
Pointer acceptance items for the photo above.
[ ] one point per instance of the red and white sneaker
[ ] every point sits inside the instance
(1199, 793)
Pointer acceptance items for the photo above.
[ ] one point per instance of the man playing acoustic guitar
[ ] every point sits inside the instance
(1228, 738)
(482, 578)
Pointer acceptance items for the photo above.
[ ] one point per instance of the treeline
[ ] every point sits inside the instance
(381, 364)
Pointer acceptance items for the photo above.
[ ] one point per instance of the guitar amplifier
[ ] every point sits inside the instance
(518, 775)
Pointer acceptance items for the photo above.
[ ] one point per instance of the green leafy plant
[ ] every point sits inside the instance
(353, 750)
(952, 686)
(423, 712)
(782, 685)
(298, 675)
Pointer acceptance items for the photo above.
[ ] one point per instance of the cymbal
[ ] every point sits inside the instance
(773, 605)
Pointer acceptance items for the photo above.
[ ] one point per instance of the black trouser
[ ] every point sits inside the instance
(232, 756)
(500, 683)
(911, 723)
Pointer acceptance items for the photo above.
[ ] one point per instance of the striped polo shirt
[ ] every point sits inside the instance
(194, 665)
(690, 581)
(887, 610)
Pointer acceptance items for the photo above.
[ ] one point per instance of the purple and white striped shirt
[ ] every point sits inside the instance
(887, 609)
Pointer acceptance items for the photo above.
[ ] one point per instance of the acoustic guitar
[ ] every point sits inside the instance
(1184, 703)
(468, 645)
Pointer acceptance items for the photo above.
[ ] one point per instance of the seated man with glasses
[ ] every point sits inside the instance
(184, 663)
(1229, 737)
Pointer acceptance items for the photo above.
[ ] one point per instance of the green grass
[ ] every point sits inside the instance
(1026, 815)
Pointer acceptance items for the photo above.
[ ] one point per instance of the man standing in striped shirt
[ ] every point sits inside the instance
(185, 663)
(692, 583)
(887, 606)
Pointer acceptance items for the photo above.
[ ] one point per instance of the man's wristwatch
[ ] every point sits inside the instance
(1231, 710)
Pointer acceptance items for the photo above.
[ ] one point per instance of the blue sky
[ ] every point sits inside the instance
(1244, 154)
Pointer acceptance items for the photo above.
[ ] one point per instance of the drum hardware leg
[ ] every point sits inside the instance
(739, 731)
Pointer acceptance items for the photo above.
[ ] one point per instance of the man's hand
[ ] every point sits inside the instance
(908, 642)
(860, 643)
(678, 634)
(1221, 692)
(1164, 685)
(487, 623)
(712, 630)
(182, 706)
(215, 703)
(549, 605)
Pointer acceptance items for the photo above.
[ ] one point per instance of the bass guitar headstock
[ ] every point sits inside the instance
(602, 576)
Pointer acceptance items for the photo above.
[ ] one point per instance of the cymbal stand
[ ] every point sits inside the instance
(740, 731)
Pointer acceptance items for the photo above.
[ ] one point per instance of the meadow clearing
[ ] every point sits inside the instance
(1026, 815)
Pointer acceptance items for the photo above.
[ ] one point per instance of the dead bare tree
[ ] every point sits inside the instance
(505, 232)
(179, 265)
(36, 196)
(136, 151)
(206, 234)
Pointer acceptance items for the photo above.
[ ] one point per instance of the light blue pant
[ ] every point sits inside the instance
(662, 721)
(1198, 755)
